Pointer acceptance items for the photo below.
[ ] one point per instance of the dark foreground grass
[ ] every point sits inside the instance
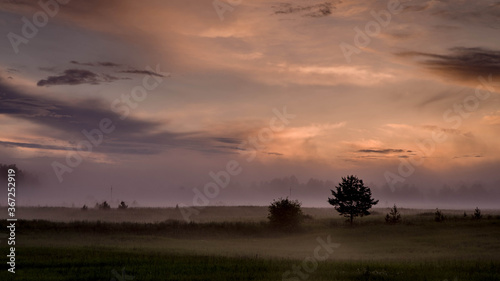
(417, 249)
(89, 263)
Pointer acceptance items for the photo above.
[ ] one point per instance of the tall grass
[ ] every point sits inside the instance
(98, 264)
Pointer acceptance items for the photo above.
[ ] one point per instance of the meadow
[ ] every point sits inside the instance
(236, 243)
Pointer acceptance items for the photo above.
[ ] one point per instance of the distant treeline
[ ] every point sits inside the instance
(20, 175)
(401, 192)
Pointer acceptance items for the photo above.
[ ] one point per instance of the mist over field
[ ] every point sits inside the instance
(311, 192)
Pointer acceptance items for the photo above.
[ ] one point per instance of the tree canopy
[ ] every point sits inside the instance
(352, 198)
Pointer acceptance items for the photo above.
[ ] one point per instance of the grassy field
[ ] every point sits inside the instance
(235, 243)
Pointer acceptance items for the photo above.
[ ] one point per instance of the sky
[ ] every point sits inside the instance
(154, 98)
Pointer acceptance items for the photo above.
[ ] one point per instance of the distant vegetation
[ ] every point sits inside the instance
(122, 206)
(404, 193)
(439, 216)
(171, 228)
(21, 175)
(103, 206)
(182, 229)
(477, 214)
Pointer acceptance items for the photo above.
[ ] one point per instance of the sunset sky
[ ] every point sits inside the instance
(357, 103)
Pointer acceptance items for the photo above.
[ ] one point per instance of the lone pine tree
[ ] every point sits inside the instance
(352, 198)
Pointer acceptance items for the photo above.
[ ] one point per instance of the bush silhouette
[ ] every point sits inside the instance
(122, 206)
(285, 213)
(103, 206)
(438, 216)
(393, 216)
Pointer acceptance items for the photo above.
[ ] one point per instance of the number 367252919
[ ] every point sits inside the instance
(11, 187)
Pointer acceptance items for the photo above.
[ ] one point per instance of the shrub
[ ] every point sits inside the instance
(103, 206)
(438, 216)
(477, 214)
(285, 213)
(122, 206)
(393, 216)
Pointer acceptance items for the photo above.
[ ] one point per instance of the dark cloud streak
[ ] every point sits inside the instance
(106, 64)
(461, 63)
(138, 71)
(77, 77)
(382, 151)
(314, 11)
(32, 145)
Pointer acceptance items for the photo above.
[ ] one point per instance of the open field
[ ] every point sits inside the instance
(224, 247)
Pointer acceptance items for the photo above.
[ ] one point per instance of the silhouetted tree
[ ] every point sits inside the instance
(393, 216)
(352, 198)
(122, 206)
(285, 213)
(477, 214)
(85, 208)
